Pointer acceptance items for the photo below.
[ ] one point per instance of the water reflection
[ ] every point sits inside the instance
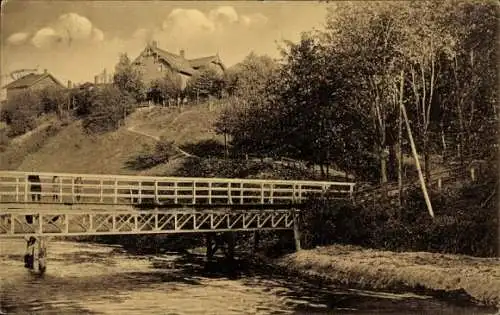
(95, 279)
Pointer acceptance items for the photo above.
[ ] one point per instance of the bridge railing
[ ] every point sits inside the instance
(27, 187)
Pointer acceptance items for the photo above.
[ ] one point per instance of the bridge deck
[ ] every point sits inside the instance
(27, 187)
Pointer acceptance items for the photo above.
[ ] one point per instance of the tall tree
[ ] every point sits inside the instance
(128, 78)
(248, 79)
(367, 37)
(205, 83)
(166, 88)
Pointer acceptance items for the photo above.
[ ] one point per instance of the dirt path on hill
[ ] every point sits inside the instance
(133, 130)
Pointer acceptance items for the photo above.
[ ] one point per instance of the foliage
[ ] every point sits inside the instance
(54, 100)
(335, 97)
(462, 225)
(150, 157)
(128, 79)
(205, 83)
(205, 148)
(166, 88)
(21, 111)
(107, 108)
(4, 139)
(247, 79)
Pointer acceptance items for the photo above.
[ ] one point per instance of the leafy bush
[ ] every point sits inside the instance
(105, 108)
(128, 79)
(4, 139)
(150, 157)
(205, 83)
(461, 224)
(20, 112)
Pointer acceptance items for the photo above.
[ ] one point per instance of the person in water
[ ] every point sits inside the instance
(29, 257)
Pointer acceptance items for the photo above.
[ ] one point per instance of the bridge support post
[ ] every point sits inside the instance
(230, 241)
(296, 231)
(213, 242)
(210, 250)
(256, 239)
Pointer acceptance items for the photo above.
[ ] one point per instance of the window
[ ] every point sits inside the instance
(160, 68)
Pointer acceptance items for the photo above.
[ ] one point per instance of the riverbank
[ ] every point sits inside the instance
(428, 273)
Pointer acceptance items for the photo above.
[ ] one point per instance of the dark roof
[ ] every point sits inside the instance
(199, 62)
(175, 61)
(180, 64)
(29, 80)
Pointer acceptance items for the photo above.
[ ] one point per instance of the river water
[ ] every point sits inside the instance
(98, 279)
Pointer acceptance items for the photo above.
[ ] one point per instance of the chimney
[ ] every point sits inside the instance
(44, 71)
(104, 76)
(70, 84)
(154, 44)
(96, 79)
(182, 53)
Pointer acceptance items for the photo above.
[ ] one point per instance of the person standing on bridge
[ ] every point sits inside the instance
(78, 188)
(55, 189)
(35, 187)
(35, 191)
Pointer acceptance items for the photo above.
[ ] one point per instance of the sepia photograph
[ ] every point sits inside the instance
(249, 157)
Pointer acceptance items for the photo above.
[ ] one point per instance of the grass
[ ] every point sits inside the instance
(72, 150)
(375, 269)
(184, 125)
(27, 145)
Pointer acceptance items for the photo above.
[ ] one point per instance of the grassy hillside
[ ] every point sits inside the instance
(70, 149)
(182, 125)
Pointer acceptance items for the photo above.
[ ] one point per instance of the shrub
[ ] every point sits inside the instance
(461, 224)
(105, 109)
(150, 157)
(20, 112)
(4, 139)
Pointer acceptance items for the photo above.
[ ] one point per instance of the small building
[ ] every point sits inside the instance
(155, 63)
(32, 81)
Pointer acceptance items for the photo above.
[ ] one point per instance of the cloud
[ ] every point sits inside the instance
(45, 37)
(191, 22)
(254, 19)
(97, 35)
(17, 38)
(187, 21)
(223, 14)
(202, 32)
(69, 28)
(74, 26)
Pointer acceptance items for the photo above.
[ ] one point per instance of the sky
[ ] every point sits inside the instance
(75, 40)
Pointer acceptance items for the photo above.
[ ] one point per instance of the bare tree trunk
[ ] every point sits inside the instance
(417, 162)
(427, 162)
(443, 142)
(400, 146)
(226, 152)
(383, 168)
(393, 162)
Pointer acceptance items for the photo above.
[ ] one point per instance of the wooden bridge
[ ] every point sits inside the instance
(51, 204)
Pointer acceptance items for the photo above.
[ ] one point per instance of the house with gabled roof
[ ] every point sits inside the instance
(155, 63)
(32, 81)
